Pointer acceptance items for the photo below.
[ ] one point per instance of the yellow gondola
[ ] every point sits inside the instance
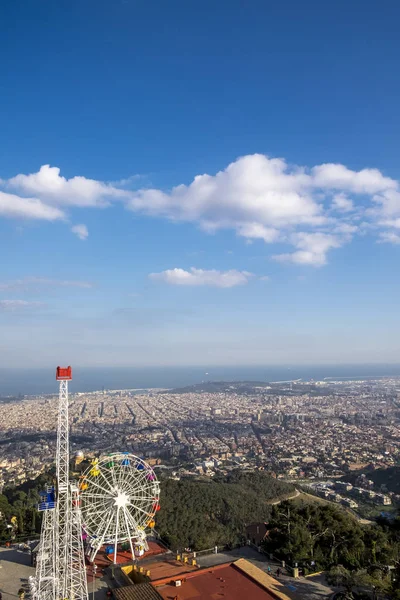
(95, 471)
(83, 483)
(151, 523)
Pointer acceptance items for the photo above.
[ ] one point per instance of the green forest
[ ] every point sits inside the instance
(323, 537)
(21, 502)
(204, 513)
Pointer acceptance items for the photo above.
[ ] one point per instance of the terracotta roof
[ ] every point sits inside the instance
(169, 567)
(266, 581)
(228, 581)
(141, 591)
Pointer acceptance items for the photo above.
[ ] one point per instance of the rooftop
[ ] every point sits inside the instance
(123, 557)
(168, 567)
(142, 591)
(233, 581)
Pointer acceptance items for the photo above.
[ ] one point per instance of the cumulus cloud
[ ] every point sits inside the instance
(394, 223)
(49, 185)
(312, 249)
(201, 277)
(267, 199)
(339, 177)
(13, 206)
(17, 305)
(342, 203)
(389, 237)
(81, 231)
(254, 190)
(258, 231)
(258, 197)
(37, 282)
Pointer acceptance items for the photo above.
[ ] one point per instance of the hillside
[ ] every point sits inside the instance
(204, 513)
(389, 477)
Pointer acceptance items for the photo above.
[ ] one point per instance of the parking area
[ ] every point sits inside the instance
(15, 568)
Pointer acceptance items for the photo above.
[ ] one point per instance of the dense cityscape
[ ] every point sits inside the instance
(314, 433)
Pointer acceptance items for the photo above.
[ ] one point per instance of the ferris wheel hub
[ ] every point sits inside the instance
(121, 499)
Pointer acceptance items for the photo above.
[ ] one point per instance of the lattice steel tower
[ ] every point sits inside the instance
(60, 569)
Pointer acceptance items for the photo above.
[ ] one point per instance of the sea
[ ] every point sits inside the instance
(14, 382)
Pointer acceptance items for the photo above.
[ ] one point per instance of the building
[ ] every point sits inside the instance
(256, 533)
(168, 579)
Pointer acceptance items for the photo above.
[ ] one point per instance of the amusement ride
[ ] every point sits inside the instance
(113, 504)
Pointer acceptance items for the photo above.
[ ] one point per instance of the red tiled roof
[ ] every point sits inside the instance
(217, 583)
(168, 567)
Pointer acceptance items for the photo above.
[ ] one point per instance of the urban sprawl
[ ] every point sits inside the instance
(314, 433)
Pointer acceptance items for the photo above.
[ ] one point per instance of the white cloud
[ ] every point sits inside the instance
(389, 237)
(127, 181)
(49, 185)
(16, 305)
(387, 204)
(266, 199)
(36, 282)
(258, 231)
(27, 208)
(339, 177)
(341, 203)
(347, 229)
(312, 249)
(81, 231)
(258, 197)
(201, 277)
(395, 223)
(254, 190)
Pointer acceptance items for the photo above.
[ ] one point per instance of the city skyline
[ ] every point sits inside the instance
(196, 186)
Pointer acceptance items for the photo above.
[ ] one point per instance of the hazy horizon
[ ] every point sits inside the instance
(42, 380)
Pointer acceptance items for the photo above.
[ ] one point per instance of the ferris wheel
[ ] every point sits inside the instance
(119, 496)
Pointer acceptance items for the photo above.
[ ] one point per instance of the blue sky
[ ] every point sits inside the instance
(199, 183)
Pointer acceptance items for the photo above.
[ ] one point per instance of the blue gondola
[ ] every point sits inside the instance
(47, 499)
(125, 461)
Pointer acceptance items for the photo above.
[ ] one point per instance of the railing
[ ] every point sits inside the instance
(197, 553)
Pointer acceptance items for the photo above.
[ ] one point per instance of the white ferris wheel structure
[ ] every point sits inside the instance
(119, 500)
